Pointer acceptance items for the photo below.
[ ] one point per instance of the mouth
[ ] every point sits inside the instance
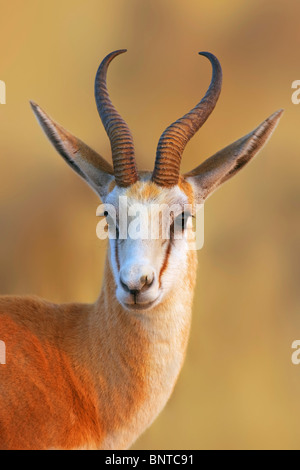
(141, 306)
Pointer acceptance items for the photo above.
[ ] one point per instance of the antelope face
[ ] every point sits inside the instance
(147, 267)
(150, 235)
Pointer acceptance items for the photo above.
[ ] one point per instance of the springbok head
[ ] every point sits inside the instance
(146, 268)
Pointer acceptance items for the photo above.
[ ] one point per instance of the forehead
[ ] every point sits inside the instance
(146, 192)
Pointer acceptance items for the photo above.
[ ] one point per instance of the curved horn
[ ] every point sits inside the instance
(121, 140)
(175, 138)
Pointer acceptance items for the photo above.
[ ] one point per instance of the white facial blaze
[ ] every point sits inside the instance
(153, 237)
(138, 227)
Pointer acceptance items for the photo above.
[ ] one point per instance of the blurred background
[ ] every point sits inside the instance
(238, 388)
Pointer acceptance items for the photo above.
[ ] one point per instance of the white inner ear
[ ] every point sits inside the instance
(98, 180)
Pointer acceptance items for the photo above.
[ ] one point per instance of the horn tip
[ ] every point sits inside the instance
(120, 51)
(107, 60)
(209, 55)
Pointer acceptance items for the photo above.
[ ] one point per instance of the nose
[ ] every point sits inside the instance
(135, 278)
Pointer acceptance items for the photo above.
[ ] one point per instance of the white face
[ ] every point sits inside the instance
(148, 255)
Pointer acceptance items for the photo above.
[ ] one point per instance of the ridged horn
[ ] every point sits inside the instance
(120, 137)
(175, 138)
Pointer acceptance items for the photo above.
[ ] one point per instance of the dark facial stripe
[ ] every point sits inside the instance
(117, 255)
(165, 263)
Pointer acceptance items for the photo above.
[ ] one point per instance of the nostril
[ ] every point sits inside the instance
(125, 287)
(148, 280)
(133, 292)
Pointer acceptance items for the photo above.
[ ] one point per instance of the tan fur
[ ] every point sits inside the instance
(81, 376)
(95, 376)
(187, 189)
(142, 191)
(90, 376)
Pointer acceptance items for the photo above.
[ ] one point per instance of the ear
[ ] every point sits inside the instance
(96, 171)
(209, 176)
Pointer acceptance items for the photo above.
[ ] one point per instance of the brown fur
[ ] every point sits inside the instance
(75, 373)
(187, 189)
(55, 377)
(40, 385)
(142, 191)
(96, 376)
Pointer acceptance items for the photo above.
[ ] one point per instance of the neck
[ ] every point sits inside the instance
(137, 357)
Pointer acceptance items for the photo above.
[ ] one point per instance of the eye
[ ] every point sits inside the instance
(180, 222)
(111, 225)
(110, 221)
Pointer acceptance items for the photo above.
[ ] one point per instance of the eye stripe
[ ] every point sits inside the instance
(165, 263)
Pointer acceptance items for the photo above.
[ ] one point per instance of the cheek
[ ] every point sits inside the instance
(174, 262)
(114, 256)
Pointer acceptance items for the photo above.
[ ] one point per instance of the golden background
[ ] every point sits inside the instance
(238, 388)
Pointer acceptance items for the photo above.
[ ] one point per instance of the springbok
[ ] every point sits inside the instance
(81, 376)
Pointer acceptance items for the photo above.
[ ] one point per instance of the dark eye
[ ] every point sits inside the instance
(180, 222)
(109, 219)
(111, 226)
